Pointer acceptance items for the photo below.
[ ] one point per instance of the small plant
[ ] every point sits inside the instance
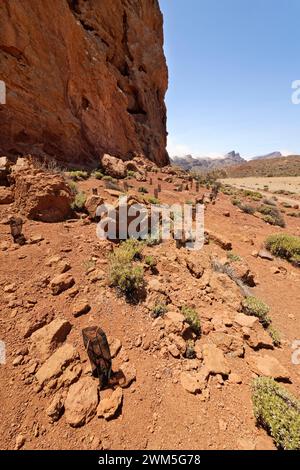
(295, 260)
(78, 175)
(274, 335)
(150, 261)
(108, 178)
(247, 209)
(271, 215)
(123, 274)
(153, 200)
(189, 202)
(89, 264)
(73, 187)
(132, 248)
(236, 202)
(233, 256)
(159, 310)
(284, 245)
(257, 308)
(97, 174)
(143, 190)
(278, 412)
(79, 202)
(269, 202)
(254, 195)
(192, 318)
(131, 173)
(190, 349)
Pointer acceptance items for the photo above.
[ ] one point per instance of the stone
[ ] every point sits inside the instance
(114, 346)
(17, 361)
(80, 307)
(108, 407)
(230, 344)
(113, 166)
(20, 441)
(219, 240)
(42, 196)
(268, 366)
(36, 239)
(55, 364)
(128, 372)
(173, 350)
(189, 382)
(56, 408)
(214, 360)
(45, 340)
(264, 254)
(179, 342)
(6, 195)
(91, 204)
(61, 283)
(247, 321)
(81, 402)
(257, 337)
(31, 324)
(235, 378)
(126, 103)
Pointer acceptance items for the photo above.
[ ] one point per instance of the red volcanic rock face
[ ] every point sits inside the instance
(83, 78)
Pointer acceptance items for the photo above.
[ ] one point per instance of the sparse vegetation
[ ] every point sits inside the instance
(275, 335)
(190, 349)
(255, 307)
(278, 412)
(127, 277)
(159, 310)
(130, 173)
(153, 200)
(78, 175)
(150, 261)
(192, 318)
(143, 190)
(108, 178)
(97, 174)
(236, 202)
(79, 202)
(284, 245)
(233, 256)
(271, 215)
(247, 208)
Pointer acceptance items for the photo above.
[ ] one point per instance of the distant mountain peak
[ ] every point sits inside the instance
(188, 162)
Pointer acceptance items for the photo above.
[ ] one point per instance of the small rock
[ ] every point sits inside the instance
(268, 366)
(264, 254)
(20, 441)
(47, 339)
(173, 350)
(81, 402)
(81, 307)
(235, 378)
(189, 382)
(61, 283)
(114, 346)
(17, 361)
(214, 360)
(56, 408)
(108, 407)
(129, 373)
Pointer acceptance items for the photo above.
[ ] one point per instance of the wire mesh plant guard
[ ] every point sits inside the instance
(97, 348)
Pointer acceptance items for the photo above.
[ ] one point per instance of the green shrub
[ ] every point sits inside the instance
(235, 202)
(153, 200)
(254, 195)
(190, 349)
(107, 178)
(274, 335)
(143, 190)
(79, 202)
(257, 308)
(130, 173)
(97, 174)
(247, 209)
(132, 248)
(150, 261)
(233, 256)
(277, 411)
(123, 273)
(283, 245)
(77, 175)
(295, 260)
(73, 187)
(159, 310)
(192, 318)
(271, 215)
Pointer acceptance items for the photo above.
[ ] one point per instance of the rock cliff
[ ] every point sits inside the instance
(83, 78)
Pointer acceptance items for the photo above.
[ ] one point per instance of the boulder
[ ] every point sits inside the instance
(113, 166)
(81, 402)
(29, 323)
(42, 196)
(91, 204)
(108, 407)
(6, 195)
(61, 283)
(214, 360)
(45, 340)
(268, 366)
(55, 364)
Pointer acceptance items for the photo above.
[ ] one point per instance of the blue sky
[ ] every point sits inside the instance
(231, 67)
